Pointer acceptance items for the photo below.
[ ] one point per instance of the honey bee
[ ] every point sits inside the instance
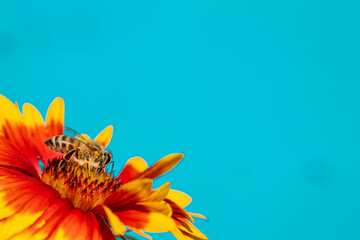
(87, 153)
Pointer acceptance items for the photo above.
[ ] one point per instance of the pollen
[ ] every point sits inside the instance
(84, 188)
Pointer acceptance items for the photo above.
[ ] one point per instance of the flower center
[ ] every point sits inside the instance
(84, 188)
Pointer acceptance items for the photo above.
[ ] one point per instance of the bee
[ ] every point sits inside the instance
(87, 153)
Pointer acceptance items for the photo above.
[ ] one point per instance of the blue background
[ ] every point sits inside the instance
(261, 96)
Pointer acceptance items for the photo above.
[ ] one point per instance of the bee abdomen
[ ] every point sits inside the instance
(61, 144)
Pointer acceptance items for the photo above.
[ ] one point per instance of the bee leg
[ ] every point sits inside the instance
(88, 168)
(61, 164)
(69, 155)
(67, 158)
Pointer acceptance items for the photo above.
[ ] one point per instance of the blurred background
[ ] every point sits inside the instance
(261, 96)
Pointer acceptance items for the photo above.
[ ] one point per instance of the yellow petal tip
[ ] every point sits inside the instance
(104, 137)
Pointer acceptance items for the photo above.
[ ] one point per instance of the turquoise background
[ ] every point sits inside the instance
(261, 96)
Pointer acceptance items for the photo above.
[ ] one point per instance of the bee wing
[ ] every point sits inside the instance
(81, 137)
(78, 135)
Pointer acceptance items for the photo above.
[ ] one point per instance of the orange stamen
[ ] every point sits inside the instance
(85, 189)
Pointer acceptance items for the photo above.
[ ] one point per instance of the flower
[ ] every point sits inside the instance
(63, 200)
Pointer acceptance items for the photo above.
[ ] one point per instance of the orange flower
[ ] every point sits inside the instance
(66, 201)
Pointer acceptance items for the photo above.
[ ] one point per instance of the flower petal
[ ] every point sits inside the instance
(178, 197)
(17, 194)
(23, 201)
(55, 117)
(21, 167)
(44, 226)
(9, 112)
(117, 226)
(104, 137)
(141, 233)
(197, 215)
(15, 151)
(158, 194)
(95, 226)
(191, 232)
(76, 225)
(32, 116)
(37, 133)
(146, 221)
(178, 212)
(17, 223)
(162, 166)
(8, 171)
(104, 229)
(178, 234)
(85, 136)
(129, 193)
(160, 207)
(133, 167)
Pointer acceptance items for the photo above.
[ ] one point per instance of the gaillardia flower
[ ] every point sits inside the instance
(65, 200)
